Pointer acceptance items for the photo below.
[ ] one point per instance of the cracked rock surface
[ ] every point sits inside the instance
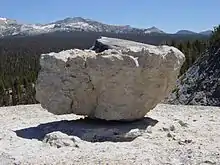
(115, 80)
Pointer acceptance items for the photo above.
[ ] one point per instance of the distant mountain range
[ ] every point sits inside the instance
(188, 32)
(9, 27)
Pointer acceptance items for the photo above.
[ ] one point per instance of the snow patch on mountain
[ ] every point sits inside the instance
(11, 27)
(48, 26)
(3, 19)
(80, 25)
(153, 30)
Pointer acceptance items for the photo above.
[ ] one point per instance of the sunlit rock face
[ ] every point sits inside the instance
(114, 80)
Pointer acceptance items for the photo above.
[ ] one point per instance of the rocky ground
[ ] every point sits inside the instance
(169, 134)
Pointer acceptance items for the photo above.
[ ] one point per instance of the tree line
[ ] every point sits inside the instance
(192, 50)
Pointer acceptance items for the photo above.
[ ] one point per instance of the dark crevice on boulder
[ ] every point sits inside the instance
(99, 47)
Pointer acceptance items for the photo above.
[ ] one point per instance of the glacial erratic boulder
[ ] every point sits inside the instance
(115, 80)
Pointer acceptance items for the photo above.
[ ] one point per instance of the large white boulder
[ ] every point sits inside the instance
(116, 80)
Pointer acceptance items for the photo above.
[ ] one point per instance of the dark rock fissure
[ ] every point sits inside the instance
(93, 88)
(99, 47)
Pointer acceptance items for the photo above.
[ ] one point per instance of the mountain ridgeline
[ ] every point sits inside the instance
(9, 27)
(19, 56)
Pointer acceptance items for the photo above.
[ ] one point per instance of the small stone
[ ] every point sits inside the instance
(189, 151)
(172, 128)
(174, 138)
(188, 141)
(210, 162)
(183, 124)
(169, 135)
(59, 139)
(183, 142)
(149, 129)
(180, 143)
(165, 129)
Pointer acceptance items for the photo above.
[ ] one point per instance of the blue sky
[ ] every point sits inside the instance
(168, 15)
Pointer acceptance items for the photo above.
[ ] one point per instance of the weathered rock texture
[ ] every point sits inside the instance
(200, 85)
(116, 80)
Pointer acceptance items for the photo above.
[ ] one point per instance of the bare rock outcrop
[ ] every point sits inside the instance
(200, 85)
(115, 80)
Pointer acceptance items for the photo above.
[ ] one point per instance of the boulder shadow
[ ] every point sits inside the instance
(90, 130)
